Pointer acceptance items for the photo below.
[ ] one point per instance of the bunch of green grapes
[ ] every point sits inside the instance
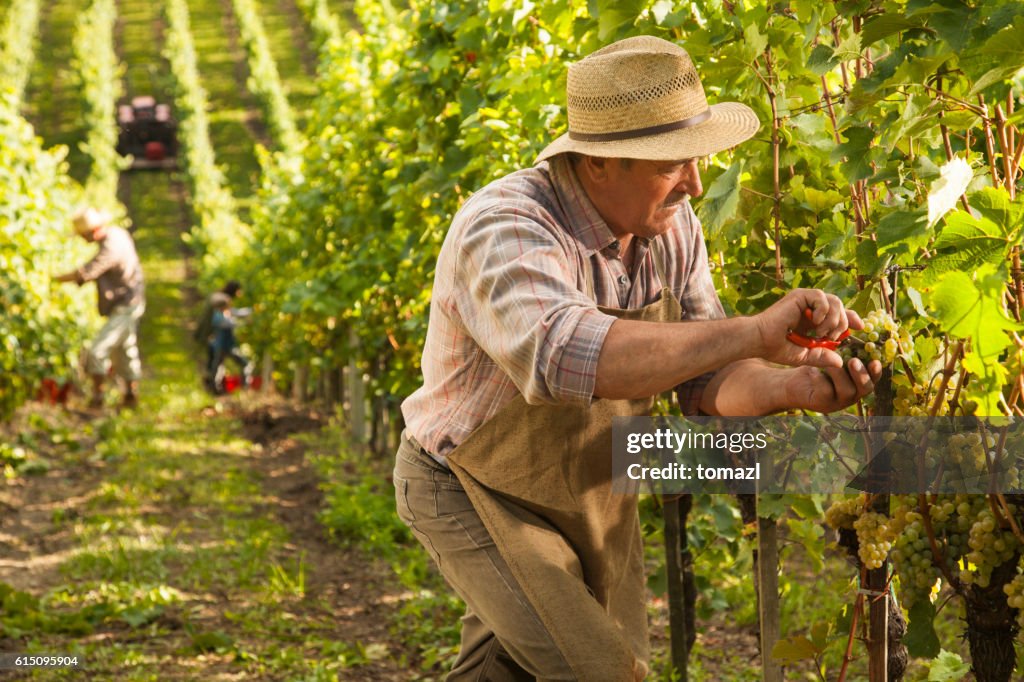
(951, 519)
(874, 538)
(884, 339)
(842, 513)
(968, 452)
(990, 546)
(915, 565)
(1015, 596)
(874, 531)
(916, 401)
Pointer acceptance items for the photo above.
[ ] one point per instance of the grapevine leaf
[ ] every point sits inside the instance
(899, 226)
(612, 15)
(794, 649)
(884, 25)
(806, 506)
(915, 299)
(916, 119)
(967, 312)
(1005, 48)
(820, 632)
(857, 164)
(995, 205)
(948, 667)
(953, 25)
(754, 41)
(868, 262)
(722, 199)
(968, 257)
(947, 190)
(772, 506)
(962, 229)
(921, 640)
(996, 75)
(822, 60)
(724, 517)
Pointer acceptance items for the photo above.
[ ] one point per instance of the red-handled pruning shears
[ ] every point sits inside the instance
(814, 342)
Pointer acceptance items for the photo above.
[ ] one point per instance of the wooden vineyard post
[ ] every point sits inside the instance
(768, 592)
(876, 583)
(677, 603)
(267, 373)
(768, 578)
(299, 380)
(356, 395)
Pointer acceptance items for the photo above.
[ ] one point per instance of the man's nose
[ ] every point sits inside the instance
(690, 181)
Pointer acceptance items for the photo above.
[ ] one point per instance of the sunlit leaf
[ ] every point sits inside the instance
(947, 190)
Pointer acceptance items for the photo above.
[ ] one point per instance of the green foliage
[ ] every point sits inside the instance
(18, 30)
(99, 74)
(264, 81)
(218, 234)
(41, 322)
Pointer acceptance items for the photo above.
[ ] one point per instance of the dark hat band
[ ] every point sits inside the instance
(641, 132)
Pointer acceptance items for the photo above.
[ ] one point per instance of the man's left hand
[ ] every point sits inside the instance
(832, 388)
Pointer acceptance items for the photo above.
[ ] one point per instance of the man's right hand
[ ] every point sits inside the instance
(829, 319)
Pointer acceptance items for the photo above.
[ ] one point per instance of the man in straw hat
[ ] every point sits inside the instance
(553, 306)
(121, 298)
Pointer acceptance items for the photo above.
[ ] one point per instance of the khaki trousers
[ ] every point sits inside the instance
(503, 638)
(118, 340)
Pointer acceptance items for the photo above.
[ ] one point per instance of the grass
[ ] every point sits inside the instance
(52, 102)
(231, 106)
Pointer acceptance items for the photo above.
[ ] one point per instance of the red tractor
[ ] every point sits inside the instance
(148, 133)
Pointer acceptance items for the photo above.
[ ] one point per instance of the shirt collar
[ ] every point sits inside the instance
(583, 221)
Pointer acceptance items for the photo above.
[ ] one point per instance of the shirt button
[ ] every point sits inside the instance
(623, 279)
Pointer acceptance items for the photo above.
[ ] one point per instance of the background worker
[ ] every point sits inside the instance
(205, 334)
(223, 344)
(120, 294)
(557, 303)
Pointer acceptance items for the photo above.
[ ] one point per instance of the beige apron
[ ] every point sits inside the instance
(540, 478)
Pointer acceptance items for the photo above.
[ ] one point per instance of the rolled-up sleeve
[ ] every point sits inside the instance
(104, 259)
(522, 306)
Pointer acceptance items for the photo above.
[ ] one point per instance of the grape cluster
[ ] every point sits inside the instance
(842, 513)
(875, 533)
(990, 546)
(874, 538)
(1015, 596)
(915, 401)
(951, 518)
(885, 340)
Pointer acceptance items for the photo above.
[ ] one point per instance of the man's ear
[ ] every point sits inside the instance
(595, 168)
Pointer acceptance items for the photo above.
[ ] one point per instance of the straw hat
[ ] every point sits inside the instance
(86, 220)
(641, 98)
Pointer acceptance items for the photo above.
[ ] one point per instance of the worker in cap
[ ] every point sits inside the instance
(121, 301)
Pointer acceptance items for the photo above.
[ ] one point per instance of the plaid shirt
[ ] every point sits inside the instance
(510, 312)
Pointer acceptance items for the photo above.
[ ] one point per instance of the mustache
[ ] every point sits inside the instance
(675, 200)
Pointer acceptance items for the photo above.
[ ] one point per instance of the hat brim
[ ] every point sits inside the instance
(85, 224)
(730, 124)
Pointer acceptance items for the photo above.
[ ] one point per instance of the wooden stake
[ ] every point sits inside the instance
(676, 594)
(768, 580)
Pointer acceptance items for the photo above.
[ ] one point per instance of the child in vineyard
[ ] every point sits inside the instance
(223, 344)
(121, 299)
(203, 334)
(556, 303)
